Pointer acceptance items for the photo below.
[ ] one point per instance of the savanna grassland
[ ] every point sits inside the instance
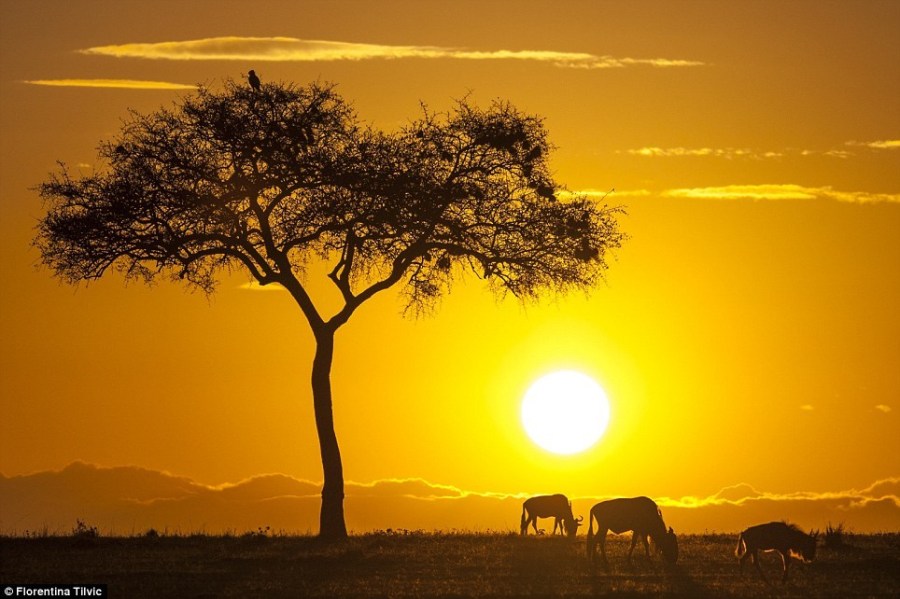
(404, 564)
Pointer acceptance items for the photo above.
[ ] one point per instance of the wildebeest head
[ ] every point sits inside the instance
(807, 548)
(668, 545)
(572, 525)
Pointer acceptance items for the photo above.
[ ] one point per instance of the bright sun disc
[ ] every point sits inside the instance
(565, 412)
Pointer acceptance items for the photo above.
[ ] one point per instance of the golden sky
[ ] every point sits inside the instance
(748, 333)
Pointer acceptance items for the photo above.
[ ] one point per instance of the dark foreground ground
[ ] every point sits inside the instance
(434, 565)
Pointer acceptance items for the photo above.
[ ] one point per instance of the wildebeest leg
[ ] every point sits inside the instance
(557, 524)
(747, 555)
(646, 545)
(755, 559)
(634, 540)
(602, 535)
(786, 564)
(534, 524)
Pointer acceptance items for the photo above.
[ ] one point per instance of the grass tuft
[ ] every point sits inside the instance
(834, 537)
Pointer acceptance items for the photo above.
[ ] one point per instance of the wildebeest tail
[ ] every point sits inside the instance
(741, 548)
(522, 524)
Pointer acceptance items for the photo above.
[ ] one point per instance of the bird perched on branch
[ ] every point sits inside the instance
(254, 80)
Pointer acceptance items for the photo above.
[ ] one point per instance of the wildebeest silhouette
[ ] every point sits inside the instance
(557, 507)
(638, 514)
(786, 539)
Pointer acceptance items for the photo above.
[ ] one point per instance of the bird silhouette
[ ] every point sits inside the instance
(254, 80)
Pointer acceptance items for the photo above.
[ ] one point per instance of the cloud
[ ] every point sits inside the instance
(871, 509)
(418, 488)
(732, 153)
(254, 286)
(883, 408)
(838, 154)
(679, 152)
(408, 487)
(288, 49)
(743, 493)
(780, 192)
(130, 500)
(736, 493)
(266, 487)
(111, 83)
(886, 144)
(885, 488)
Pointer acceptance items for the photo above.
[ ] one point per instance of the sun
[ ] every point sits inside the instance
(565, 412)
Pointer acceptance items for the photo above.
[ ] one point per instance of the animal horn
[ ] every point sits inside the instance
(579, 519)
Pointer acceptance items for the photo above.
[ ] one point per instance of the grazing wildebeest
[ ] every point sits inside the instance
(557, 507)
(638, 514)
(786, 539)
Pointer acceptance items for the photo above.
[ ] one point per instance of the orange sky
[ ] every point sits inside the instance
(748, 333)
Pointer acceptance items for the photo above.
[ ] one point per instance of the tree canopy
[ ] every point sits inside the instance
(270, 180)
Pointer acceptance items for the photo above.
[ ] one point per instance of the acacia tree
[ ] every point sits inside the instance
(268, 180)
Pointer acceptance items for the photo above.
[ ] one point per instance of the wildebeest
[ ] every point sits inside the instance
(638, 514)
(786, 539)
(557, 507)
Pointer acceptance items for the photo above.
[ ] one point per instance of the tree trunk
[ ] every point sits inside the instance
(331, 518)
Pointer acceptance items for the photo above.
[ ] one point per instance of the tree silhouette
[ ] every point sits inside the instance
(271, 180)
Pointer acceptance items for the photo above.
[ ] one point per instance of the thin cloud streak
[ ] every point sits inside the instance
(288, 49)
(776, 192)
(679, 152)
(111, 83)
(732, 153)
(254, 286)
(886, 144)
(747, 153)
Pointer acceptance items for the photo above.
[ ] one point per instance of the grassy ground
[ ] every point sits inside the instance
(434, 565)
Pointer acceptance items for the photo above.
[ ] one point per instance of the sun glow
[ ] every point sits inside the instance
(565, 412)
